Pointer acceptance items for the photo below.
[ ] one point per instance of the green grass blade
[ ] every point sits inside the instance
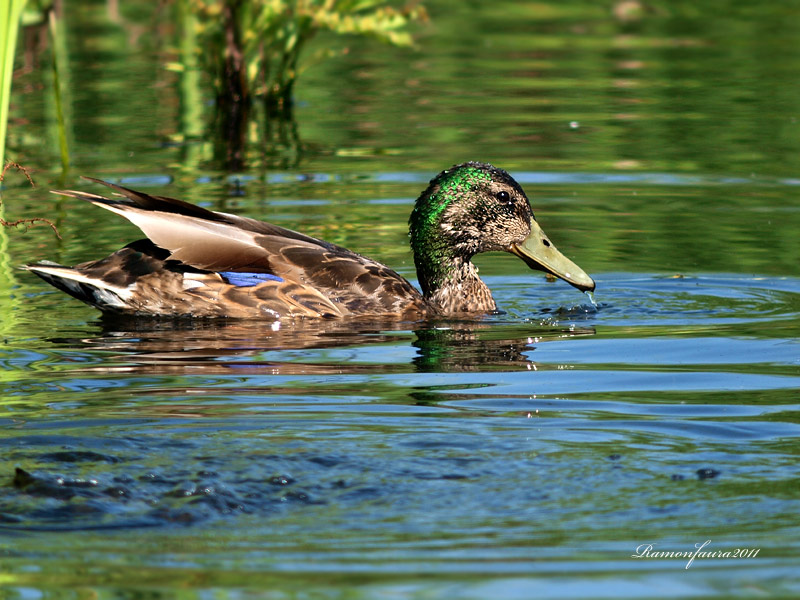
(9, 26)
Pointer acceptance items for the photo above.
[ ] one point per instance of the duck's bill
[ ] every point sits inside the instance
(539, 253)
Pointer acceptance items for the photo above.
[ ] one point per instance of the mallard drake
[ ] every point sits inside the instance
(201, 263)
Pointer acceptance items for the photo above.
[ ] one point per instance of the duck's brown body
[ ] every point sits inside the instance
(201, 263)
(154, 287)
(307, 277)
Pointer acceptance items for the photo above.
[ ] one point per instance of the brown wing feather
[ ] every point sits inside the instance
(357, 283)
(173, 206)
(202, 238)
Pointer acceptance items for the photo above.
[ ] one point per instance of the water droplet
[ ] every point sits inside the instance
(591, 298)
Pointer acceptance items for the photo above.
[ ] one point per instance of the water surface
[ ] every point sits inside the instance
(527, 453)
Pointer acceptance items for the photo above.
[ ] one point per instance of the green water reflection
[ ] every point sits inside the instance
(529, 453)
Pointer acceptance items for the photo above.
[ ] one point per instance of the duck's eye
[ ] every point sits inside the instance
(503, 196)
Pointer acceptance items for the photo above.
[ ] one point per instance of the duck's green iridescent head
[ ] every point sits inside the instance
(475, 207)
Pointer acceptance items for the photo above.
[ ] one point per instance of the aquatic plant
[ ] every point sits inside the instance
(252, 50)
(253, 47)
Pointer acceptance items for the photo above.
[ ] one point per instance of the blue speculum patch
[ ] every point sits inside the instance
(247, 279)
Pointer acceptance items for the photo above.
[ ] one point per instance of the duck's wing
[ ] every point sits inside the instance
(202, 238)
(221, 242)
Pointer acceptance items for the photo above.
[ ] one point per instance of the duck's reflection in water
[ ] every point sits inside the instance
(220, 347)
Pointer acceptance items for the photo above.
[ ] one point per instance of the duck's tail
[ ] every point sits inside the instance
(94, 291)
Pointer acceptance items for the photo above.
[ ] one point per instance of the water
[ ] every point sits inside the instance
(527, 453)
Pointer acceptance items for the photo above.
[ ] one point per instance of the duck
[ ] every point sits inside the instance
(199, 263)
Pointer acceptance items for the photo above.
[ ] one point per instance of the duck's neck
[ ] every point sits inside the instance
(442, 256)
(451, 283)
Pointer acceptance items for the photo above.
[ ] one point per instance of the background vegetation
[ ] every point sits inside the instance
(599, 103)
